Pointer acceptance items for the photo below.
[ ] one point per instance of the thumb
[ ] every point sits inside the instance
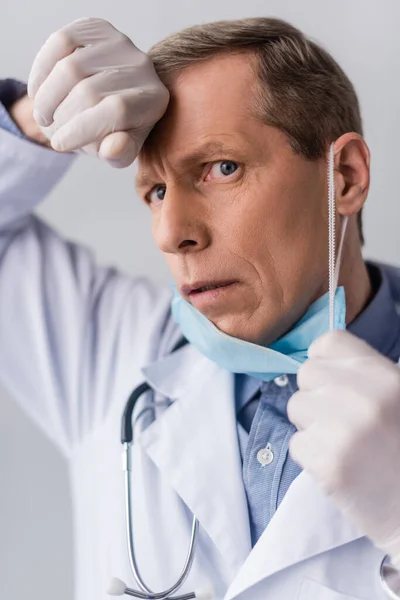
(119, 149)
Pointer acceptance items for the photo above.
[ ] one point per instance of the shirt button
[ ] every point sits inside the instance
(265, 456)
(282, 380)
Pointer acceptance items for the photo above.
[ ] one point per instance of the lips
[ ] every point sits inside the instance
(204, 286)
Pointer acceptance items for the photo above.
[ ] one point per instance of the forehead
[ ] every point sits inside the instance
(210, 101)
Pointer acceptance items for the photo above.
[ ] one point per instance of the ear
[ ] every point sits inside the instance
(352, 173)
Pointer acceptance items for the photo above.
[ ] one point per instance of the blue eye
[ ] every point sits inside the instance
(157, 194)
(228, 167)
(222, 168)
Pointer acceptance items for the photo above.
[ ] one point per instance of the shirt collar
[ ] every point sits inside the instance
(245, 388)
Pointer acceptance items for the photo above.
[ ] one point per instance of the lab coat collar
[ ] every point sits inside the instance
(194, 444)
(306, 524)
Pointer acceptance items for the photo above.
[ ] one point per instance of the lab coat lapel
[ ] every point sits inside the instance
(306, 524)
(194, 444)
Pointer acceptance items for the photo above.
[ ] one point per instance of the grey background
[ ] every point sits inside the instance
(97, 205)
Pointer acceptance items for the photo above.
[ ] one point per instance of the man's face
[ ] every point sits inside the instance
(233, 206)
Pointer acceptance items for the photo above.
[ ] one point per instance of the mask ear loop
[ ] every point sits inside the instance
(333, 268)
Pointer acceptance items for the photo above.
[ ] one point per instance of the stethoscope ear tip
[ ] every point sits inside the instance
(116, 587)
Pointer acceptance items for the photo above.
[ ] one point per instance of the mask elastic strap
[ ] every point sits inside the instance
(333, 268)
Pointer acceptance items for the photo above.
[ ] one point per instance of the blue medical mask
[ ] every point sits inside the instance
(283, 356)
(286, 354)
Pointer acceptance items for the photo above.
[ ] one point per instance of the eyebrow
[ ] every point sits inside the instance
(144, 180)
(204, 153)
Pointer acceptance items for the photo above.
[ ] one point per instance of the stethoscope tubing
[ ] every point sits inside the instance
(127, 430)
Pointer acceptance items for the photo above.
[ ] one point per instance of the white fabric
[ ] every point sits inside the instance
(74, 340)
(93, 81)
(347, 411)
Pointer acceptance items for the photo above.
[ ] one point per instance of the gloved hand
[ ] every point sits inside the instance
(347, 412)
(97, 91)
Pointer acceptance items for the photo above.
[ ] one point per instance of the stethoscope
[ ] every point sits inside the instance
(389, 577)
(118, 587)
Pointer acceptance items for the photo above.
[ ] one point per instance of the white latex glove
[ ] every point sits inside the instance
(89, 81)
(347, 412)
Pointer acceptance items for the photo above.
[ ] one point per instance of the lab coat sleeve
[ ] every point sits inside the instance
(69, 329)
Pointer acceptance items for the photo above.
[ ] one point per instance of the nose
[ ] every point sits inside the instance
(181, 225)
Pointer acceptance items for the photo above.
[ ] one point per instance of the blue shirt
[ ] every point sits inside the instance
(262, 416)
(261, 406)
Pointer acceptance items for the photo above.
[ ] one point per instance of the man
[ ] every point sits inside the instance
(234, 174)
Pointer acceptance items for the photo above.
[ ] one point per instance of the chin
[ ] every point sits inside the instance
(234, 328)
(262, 334)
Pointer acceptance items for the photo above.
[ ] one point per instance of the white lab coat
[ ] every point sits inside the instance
(75, 339)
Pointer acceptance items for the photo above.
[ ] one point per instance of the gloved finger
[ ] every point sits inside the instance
(119, 149)
(91, 91)
(300, 409)
(340, 344)
(85, 128)
(55, 48)
(93, 125)
(307, 408)
(113, 113)
(80, 33)
(48, 133)
(72, 72)
(317, 373)
(65, 75)
(82, 97)
(310, 450)
(302, 449)
(324, 406)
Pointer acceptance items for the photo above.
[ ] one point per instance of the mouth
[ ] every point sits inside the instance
(210, 296)
(202, 287)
